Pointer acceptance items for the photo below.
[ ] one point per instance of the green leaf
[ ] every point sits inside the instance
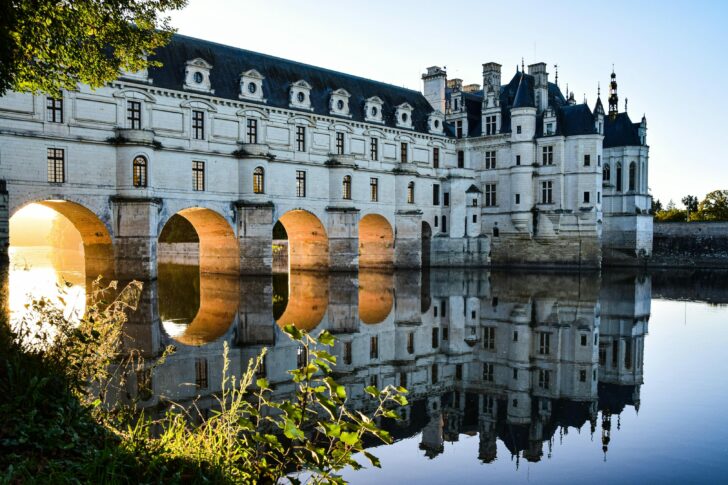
(293, 332)
(262, 383)
(372, 391)
(349, 438)
(372, 459)
(325, 338)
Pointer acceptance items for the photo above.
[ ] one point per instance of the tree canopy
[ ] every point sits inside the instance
(51, 45)
(714, 207)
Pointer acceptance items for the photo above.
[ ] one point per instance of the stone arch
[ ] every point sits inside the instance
(376, 296)
(376, 242)
(308, 242)
(218, 246)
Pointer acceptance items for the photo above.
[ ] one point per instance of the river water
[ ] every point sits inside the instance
(513, 376)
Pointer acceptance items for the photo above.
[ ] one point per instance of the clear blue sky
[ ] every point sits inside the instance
(670, 57)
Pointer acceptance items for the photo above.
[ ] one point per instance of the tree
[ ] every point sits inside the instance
(48, 46)
(656, 206)
(714, 207)
(691, 204)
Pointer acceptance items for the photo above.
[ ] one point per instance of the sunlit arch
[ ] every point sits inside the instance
(308, 242)
(376, 296)
(376, 242)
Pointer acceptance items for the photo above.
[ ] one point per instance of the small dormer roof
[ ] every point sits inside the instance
(473, 190)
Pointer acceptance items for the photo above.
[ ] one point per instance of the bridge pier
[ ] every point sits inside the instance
(343, 232)
(135, 231)
(255, 237)
(408, 239)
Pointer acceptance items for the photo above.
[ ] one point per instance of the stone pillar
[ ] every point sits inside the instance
(255, 322)
(135, 230)
(408, 239)
(4, 223)
(407, 303)
(343, 232)
(343, 303)
(255, 233)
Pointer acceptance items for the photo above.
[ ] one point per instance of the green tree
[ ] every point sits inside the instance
(48, 45)
(714, 207)
(656, 206)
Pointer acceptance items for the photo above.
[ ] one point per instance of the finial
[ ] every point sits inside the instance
(556, 68)
(517, 68)
(585, 98)
(523, 65)
(599, 89)
(626, 100)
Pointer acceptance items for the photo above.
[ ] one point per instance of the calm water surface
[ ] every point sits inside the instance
(513, 376)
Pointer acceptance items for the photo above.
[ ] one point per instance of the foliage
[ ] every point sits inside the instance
(714, 207)
(48, 46)
(690, 202)
(671, 215)
(656, 206)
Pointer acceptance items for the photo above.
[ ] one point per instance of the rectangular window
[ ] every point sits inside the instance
(252, 130)
(347, 353)
(339, 143)
(434, 373)
(459, 128)
(134, 114)
(374, 347)
(549, 128)
(475, 218)
(518, 199)
(488, 404)
(490, 199)
(458, 371)
(446, 199)
(544, 343)
(443, 307)
(374, 149)
(547, 192)
(518, 129)
(583, 340)
(198, 124)
(435, 337)
(490, 160)
(444, 229)
(403, 379)
(403, 152)
(198, 175)
(515, 336)
(489, 338)
(587, 196)
(445, 333)
(374, 189)
(547, 156)
(54, 110)
(599, 197)
(599, 160)
(300, 183)
(56, 165)
(582, 375)
(544, 379)
(490, 128)
(301, 138)
(518, 159)
(488, 372)
(301, 356)
(461, 159)
(515, 374)
(587, 160)
(411, 343)
(436, 157)
(201, 373)
(435, 194)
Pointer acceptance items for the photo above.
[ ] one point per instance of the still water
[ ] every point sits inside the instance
(513, 376)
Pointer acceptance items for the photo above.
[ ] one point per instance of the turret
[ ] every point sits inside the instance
(523, 112)
(541, 88)
(434, 86)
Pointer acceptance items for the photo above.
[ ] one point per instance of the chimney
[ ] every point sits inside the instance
(491, 78)
(434, 86)
(541, 85)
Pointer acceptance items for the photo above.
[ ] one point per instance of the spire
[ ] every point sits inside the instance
(599, 89)
(523, 65)
(556, 79)
(613, 98)
(626, 100)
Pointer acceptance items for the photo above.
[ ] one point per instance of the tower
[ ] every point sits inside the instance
(613, 98)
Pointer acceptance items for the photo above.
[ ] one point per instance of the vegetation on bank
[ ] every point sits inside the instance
(57, 427)
(713, 208)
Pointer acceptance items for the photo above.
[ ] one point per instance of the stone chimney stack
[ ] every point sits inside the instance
(491, 78)
(541, 85)
(434, 87)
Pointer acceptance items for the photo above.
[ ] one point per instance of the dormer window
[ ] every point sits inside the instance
(373, 110)
(549, 122)
(403, 115)
(339, 104)
(435, 122)
(251, 85)
(300, 95)
(197, 76)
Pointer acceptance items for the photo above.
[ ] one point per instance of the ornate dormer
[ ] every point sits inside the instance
(490, 110)
(549, 122)
(251, 86)
(339, 103)
(403, 115)
(197, 76)
(300, 95)
(599, 114)
(373, 110)
(456, 102)
(436, 122)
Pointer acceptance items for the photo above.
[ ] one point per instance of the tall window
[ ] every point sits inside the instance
(198, 175)
(54, 110)
(459, 129)
(461, 159)
(435, 337)
(619, 177)
(488, 372)
(490, 160)
(606, 174)
(446, 199)
(374, 189)
(490, 125)
(435, 194)
(339, 143)
(134, 114)
(347, 353)
(201, 373)
(139, 171)
(444, 229)
(403, 152)
(346, 187)
(411, 343)
(300, 183)
(544, 343)
(374, 347)
(587, 160)
(198, 124)
(411, 193)
(547, 192)
(436, 157)
(56, 165)
(374, 149)
(301, 138)
(490, 199)
(258, 180)
(544, 379)
(632, 176)
(547, 157)
(518, 159)
(489, 338)
(587, 197)
(252, 130)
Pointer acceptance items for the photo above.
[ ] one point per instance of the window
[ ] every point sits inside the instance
(300, 183)
(139, 171)
(515, 336)
(346, 188)
(496, 232)
(488, 404)
(374, 189)
(436, 224)
(434, 373)
(374, 347)
(403, 379)
(347, 353)
(490, 200)
(544, 378)
(475, 218)
(301, 138)
(411, 343)
(518, 129)
(374, 381)
(443, 307)
(619, 177)
(599, 197)
(339, 143)
(515, 374)
(549, 128)
(198, 176)
(444, 229)
(547, 192)
(490, 160)
(435, 337)
(435, 194)
(461, 159)
(459, 128)
(547, 157)
(201, 373)
(488, 372)
(403, 152)
(252, 130)
(56, 165)
(587, 160)
(258, 180)
(374, 149)
(445, 332)
(134, 114)
(606, 174)
(489, 338)
(587, 196)
(458, 371)
(582, 375)
(446, 199)
(518, 159)
(632, 176)
(490, 125)
(198, 124)
(518, 199)
(583, 340)
(436, 157)
(301, 356)
(599, 160)
(544, 343)
(54, 110)
(456, 104)
(411, 193)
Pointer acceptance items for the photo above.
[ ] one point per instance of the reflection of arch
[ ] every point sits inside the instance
(426, 240)
(308, 298)
(308, 244)
(376, 242)
(218, 245)
(376, 296)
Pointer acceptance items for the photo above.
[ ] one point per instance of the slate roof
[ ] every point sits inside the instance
(229, 62)
(524, 93)
(620, 131)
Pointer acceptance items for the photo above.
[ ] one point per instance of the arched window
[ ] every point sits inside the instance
(258, 180)
(140, 171)
(411, 193)
(632, 176)
(619, 176)
(606, 174)
(346, 187)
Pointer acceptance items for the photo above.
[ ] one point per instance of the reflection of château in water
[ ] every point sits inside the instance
(515, 357)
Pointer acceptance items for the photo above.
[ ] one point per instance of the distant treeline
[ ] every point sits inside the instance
(713, 207)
